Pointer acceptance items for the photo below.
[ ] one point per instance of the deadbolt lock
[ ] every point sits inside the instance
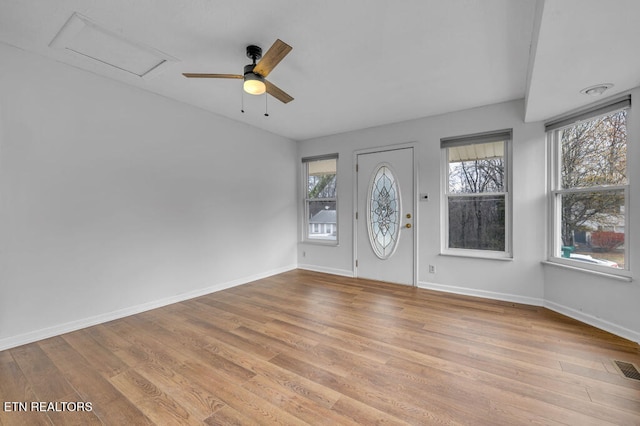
(408, 215)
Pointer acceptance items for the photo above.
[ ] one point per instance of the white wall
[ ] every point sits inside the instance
(604, 302)
(520, 279)
(115, 200)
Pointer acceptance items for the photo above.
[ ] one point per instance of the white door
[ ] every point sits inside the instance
(385, 231)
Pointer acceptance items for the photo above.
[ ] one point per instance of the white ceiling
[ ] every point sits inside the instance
(359, 63)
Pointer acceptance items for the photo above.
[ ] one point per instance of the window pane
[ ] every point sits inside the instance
(592, 229)
(477, 222)
(383, 219)
(320, 199)
(477, 168)
(322, 178)
(322, 220)
(594, 152)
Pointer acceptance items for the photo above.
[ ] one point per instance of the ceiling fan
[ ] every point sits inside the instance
(254, 75)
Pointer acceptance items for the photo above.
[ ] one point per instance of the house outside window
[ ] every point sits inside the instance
(589, 194)
(320, 199)
(476, 205)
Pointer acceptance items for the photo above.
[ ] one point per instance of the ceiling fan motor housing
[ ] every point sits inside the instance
(254, 52)
(248, 69)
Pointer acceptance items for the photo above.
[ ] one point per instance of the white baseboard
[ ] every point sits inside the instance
(564, 310)
(506, 297)
(56, 330)
(332, 271)
(634, 336)
(33, 336)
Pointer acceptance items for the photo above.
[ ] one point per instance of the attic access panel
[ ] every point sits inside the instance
(84, 37)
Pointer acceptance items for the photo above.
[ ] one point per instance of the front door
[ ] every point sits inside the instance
(385, 242)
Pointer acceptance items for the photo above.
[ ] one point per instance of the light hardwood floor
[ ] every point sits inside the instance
(309, 348)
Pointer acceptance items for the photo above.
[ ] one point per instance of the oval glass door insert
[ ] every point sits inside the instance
(383, 211)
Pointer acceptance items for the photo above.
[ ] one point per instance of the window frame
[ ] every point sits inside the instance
(306, 200)
(555, 190)
(506, 136)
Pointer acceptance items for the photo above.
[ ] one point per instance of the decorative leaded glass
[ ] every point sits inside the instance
(383, 212)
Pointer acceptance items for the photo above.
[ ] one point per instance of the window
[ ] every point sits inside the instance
(320, 201)
(477, 205)
(589, 188)
(383, 207)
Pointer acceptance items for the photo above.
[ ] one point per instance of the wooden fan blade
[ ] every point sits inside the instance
(274, 55)
(277, 93)
(192, 75)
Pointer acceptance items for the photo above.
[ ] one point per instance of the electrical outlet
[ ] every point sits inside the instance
(432, 269)
(304, 254)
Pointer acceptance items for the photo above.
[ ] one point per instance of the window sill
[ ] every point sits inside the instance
(321, 243)
(590, 271)
(477, 254)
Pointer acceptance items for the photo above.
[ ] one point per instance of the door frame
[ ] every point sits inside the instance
(416, 227)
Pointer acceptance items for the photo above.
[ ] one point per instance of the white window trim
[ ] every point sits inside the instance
(555, 214)
(305, 209)
(507, 254)
(621, 276)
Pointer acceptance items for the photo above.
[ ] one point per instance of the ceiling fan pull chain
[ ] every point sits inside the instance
(266, 108)
(242, 101)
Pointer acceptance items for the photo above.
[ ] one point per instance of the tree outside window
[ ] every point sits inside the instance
(477, 208)
(591, 188)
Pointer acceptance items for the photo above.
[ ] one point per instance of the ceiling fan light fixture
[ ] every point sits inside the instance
(254, 84)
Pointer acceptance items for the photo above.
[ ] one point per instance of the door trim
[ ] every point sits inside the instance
(416, 225)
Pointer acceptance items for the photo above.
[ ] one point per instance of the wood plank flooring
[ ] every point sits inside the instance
(310, 348)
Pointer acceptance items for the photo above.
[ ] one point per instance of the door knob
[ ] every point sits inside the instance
(408, 225)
